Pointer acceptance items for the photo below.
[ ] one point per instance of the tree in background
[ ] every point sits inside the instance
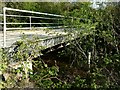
(98, 33)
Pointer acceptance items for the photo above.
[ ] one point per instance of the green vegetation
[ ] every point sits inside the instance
(97, 38)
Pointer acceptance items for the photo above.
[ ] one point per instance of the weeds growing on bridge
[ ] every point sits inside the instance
(99, 36)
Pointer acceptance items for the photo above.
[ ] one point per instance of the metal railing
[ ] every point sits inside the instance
(5, 23)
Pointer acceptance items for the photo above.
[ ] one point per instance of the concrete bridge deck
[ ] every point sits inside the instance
(43, 34)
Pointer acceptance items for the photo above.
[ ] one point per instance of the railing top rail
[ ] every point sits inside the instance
(26, 11)
(29, 16)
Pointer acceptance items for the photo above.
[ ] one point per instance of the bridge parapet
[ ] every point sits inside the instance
(33, 20)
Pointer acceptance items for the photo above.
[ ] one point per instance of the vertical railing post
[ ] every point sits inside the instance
(4, 31)
(30, 22)
(89, 57)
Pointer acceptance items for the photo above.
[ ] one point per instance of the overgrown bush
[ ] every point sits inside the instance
(17, 73)
(95, 32)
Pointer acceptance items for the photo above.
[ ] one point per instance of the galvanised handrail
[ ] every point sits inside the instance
(59, 17)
